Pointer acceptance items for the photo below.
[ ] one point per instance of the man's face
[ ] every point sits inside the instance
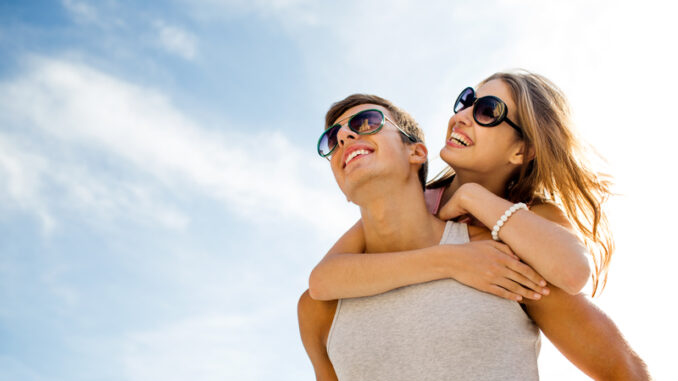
(361, 159)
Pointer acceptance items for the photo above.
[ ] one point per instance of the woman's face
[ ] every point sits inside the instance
(472, 147)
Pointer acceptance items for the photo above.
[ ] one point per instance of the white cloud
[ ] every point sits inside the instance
(21, 176)
(247, 344)
(200, 348)
(82, 11)
(176, 40)
(88, 114)
(267, 8)
(39, 180)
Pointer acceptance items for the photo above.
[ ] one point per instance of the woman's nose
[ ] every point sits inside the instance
(464, 117)
(461, 118)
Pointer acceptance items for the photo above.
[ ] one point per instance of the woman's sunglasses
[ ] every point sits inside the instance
(488, 111)
(365, 122)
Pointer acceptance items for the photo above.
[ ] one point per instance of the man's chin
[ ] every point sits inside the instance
(356, 188)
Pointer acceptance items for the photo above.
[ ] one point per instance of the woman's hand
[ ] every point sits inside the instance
(491, 267)
(455, 206)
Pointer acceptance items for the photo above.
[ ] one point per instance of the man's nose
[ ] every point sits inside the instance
(344, 134)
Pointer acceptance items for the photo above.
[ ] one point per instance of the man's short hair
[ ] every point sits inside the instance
(402, 118)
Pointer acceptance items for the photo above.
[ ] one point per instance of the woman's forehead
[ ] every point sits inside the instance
(494, 87)
(499, 89)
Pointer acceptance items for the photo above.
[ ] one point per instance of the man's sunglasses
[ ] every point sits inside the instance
(365, 122)
(488, 111)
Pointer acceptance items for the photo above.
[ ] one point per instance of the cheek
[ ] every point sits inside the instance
(336, 166)
(497, 149)
(450, 125)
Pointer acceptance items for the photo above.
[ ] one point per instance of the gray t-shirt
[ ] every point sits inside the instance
(439, 330)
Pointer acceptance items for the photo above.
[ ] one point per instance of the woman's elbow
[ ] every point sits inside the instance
(577, 277)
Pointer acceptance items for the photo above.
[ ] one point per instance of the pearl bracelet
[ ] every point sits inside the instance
(502, 220)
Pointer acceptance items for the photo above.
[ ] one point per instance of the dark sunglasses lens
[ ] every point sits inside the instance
(328, 140)
(464, 100)
(366, 122)
(489, 111)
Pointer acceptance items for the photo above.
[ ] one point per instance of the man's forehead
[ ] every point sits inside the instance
(356, 109)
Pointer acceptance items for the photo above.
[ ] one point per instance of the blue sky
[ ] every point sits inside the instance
(162, 201)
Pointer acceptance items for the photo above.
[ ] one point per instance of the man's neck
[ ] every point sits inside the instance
(397, 221)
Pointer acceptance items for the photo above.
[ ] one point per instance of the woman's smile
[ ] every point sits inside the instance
(459, 140)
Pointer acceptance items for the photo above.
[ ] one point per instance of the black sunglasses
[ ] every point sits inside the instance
(365, 122)
(488, 111)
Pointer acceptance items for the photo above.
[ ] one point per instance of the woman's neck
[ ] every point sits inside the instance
(494, 183)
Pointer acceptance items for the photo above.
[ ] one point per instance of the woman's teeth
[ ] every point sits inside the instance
(460, 139)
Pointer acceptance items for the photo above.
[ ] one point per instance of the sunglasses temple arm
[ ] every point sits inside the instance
(520, 130)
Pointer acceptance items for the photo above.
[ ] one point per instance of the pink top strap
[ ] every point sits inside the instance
(433, 197)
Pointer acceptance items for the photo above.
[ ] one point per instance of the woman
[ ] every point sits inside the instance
(511, 144)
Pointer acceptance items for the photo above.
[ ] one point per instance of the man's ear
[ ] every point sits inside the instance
(418, 153)
(523, 153)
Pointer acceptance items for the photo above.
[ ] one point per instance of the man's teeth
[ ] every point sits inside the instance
(460, 138)
(356, 153)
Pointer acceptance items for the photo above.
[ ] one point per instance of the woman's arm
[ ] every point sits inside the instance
(485, 265)
(586, 336)
(543, 237)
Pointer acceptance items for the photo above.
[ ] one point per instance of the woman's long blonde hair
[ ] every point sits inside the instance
(559, 172)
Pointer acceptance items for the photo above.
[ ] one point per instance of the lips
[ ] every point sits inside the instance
(355, 151)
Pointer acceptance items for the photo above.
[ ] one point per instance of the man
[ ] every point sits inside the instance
(378, 164)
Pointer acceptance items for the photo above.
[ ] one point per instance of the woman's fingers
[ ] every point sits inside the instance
(526, 276)
(505, 249)
(518, 289)
(451, 209)
(526, 283)
(493, 268)
(448, 212)
(503, 293)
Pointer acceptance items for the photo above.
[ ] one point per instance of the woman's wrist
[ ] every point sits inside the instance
(470, 194)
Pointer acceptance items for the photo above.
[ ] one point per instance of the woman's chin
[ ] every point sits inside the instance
(449, 155)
